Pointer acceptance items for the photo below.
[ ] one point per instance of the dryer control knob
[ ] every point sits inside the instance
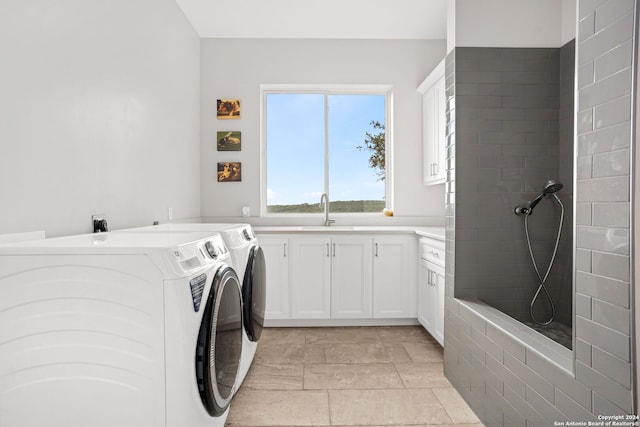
(211, 249)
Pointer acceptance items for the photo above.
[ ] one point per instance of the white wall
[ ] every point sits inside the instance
(100, 114)
(235, 68)
(508, 23)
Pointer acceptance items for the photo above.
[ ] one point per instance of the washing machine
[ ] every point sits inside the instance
(126, 329)
(248, 260)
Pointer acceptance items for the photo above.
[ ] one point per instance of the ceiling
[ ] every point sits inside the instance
(328, 19)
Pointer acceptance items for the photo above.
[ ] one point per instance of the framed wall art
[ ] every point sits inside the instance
(229, 141)
(228, 109)
(229, 171)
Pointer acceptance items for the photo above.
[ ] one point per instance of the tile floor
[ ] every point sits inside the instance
(360, 376)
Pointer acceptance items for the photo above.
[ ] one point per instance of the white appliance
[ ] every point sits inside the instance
(119, 329)
(248, 260)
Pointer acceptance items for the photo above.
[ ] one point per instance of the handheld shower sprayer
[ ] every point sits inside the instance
(550, 188)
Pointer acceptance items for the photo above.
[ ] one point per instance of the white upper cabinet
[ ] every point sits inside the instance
(434, 125)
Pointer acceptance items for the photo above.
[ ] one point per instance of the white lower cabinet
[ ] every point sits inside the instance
(337, 276)
(394, 293)
(310, 267)
(276, 255)
(431, 288)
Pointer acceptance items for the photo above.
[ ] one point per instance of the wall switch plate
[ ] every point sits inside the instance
(99, 223)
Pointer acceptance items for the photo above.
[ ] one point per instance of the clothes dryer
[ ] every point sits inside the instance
(248, 260)
(135, 329)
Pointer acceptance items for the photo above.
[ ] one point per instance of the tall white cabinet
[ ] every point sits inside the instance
(434, 123)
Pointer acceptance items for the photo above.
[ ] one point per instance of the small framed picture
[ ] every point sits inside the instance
(229, 141)
(228, 109)
(229, 171)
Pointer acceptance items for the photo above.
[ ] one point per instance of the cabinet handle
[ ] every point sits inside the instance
(327, 250)
(376, 245)
(435, 254)
(334, 250)
(284, 250)
(435, 169)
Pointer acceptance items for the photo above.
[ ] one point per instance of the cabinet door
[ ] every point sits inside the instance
(440, 146)
(351, 271)
(310, 275)
(394, 285)
(277, 265)
(424, 308)
(429, 134)
(438, 303)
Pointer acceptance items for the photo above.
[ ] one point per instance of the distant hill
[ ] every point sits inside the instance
(337, 206)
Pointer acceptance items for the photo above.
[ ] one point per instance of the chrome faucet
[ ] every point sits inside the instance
(324, 202)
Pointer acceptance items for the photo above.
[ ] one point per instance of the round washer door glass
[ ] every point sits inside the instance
(254, 293)
(220, 342)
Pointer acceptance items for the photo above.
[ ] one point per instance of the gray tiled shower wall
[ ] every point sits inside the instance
(513, 108)
(505, 379)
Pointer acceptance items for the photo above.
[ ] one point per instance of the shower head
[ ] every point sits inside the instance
(549, 188)
(552, 187)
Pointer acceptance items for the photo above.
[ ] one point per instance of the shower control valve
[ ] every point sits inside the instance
(521, 210)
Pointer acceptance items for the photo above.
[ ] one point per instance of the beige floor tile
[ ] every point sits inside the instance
(274, 377)
(398, 353)
(357, 353)
(455, 405)
(289, 354)
(351, 376)
(341, 335)
(423, 352)
(384, 407)
(422, 375)
(404, 333)
(283, 336)
(279, 408)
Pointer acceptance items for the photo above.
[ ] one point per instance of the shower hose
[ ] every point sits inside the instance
(542, 287)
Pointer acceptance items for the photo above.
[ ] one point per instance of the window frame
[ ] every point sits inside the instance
(326, 89)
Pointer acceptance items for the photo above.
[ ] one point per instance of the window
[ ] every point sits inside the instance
(325, 141)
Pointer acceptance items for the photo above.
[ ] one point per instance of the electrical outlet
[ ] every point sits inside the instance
(99, 222)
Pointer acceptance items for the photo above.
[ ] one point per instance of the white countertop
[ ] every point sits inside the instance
(433, 232)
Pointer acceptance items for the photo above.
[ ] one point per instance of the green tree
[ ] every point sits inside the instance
(375, 142)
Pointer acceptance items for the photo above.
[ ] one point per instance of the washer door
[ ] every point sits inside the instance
(254, 293)
(220, 342)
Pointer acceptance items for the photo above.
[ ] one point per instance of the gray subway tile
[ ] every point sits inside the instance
(611, 214)
(605, 406)
(583, 260)
(525, 77)
(587, 26)
(611, 266)
(615, 240)
(586, 74)
(605, 90)
(479, 101)
(612, 112)
(560, 378)
(522, 408)
(614, 163)
(530, 377)
(501, 113)
(606, 139)
(586, 7)
(583, 352)
(613, 61)
(542, 406)
(583, 305)
(604, 288)
(482, 77)
(612, 367)
(603, 41)
(572, 409)
(506, 341)
(601, 336)
(613, 189)
(584, 167)
(583, 214)
(584, 122)
(611, 11)
(605, 387)
(502, 89)
(612, 316)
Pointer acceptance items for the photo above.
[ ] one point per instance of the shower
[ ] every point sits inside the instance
(549, 190)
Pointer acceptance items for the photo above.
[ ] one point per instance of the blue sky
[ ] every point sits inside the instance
(295, 147)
